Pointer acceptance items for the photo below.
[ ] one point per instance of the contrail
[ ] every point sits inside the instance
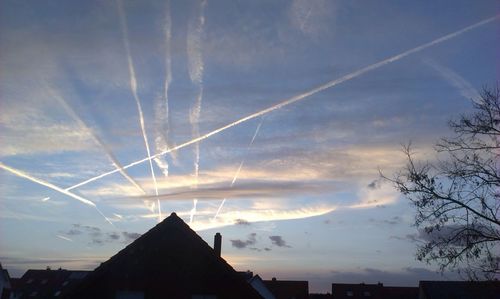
(64, 238)
(96, 139)
(297, 98)
(51, 186)
(239, 168)
(133, 88)
(195, 67)
(162, 105)
(46, 184)
(463, 86)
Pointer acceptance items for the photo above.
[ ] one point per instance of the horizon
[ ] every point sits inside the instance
(268, 122)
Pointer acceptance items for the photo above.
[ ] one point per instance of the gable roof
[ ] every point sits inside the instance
(169, 261)
(460, 289)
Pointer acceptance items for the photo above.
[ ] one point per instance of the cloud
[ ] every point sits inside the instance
(262, 189)
(73, 232)
(278, 241)
(242, 222)
(113, 236)
(370, 198)
(96, 236)
(312, 18)
(205, 221)
(391, 221)
(374, 185)
(240, 244)
(129, 237)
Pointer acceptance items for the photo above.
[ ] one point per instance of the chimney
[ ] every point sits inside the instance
(217, 243)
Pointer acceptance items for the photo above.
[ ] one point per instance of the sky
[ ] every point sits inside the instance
(267, 121)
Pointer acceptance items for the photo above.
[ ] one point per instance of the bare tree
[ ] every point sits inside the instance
(457, 198)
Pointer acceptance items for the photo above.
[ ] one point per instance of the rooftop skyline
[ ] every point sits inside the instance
(265, 121)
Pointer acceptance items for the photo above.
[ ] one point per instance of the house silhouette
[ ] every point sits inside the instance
(169, 261)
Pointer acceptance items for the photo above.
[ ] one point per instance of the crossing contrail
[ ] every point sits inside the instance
(94, 136)
(239, 168)
(22, 174)
(196, 67)
(162, 112)
(133, 88)
(299, 97)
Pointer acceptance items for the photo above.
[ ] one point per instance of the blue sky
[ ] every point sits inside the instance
(303, 195)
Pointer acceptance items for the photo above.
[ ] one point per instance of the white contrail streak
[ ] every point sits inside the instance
(133, 88)
(162, 104)
(297, 98)
(463, 86)
(248, 148)
(196, 67)
(64, 238)
(96, 139)
(239, 168)
(162, 111)
(52, 186)
(46, 184)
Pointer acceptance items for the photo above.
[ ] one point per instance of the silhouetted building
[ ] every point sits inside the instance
(259, 285)
(5, 285)
(169, 261)
(288, 289)
(46, 283)
(459, 289)
(320, 296)
(372, 291)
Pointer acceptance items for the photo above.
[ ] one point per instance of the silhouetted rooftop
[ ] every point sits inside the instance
(286, 289)
(460, 289)
(169, 261)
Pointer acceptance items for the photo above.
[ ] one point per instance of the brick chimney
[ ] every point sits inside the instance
(217, 243)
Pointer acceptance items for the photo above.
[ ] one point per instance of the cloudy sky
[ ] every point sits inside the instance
(267, 121)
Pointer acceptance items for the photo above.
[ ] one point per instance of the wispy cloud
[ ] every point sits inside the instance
(240, 244)
(463, 86)
(229, 217)
(279, 241)
(370, 198)
(312, 18)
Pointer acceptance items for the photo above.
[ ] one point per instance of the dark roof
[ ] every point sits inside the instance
(373, 291)
(360, 290)
(460, 289)
(5, 274)
(320, 296)
(169, 261)
(288, 289)
(401, 292)
(46, 283)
